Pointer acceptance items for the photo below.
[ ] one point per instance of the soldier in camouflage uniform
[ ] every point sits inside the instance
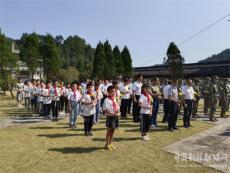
(214, 94)
(197, 90)
(224, 97)
(205, 93)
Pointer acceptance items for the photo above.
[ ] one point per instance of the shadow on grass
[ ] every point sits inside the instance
(117, 139)
(70, 150)
(47, 128)
(163, 129)
(59, 135)
(93, 129)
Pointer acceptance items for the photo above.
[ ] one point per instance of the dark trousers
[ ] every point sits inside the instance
(187, 112)
(62, 103)
(124, 107)
(144, 123)
(88, 123)
(129, 106)
(166, 110)
(173, 113)
(136, 110)
(55, 108)
(47, 108)
(153, 119)
(66, 105)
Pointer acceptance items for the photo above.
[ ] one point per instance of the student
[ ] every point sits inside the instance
(33, 96)
(125, 98)
(19, 88)
(166, 102)
(136, 95)
(99, 96)
(89, 102)
(188, 93)
(47, 99)
(40, 99)
(55, 92)
(66, 94)
(104, 90)
(62, 97)
(173, 105)
(74, 98)
(26, 90)
(145, 103)
(111, 110)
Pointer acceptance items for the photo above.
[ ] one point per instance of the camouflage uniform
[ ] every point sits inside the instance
(197, 90)
(214, 94)
(205, 93)
(224, 95)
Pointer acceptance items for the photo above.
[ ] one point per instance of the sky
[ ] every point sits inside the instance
(146, 27)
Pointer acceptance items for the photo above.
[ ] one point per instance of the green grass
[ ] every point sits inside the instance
(52, 147)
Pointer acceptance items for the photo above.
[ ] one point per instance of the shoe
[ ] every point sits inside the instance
(186, 126)
(145, 138)
(113, 147)
(86, 134)
(90, 134)
(108, 147)
(153, 126)
(148, 138)
(175, 128)
(170, 129)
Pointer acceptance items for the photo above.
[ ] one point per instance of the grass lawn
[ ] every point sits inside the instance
(53, 147)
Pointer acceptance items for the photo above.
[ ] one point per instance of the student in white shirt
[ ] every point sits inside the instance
(188, 93)
(74, 98)
(125, 98)
(47, 100)
(145, 102)
(136, 95)
(55, 92)
(166, 101)
(66, 94)
(19, 88)
(99, 96)
(89, 102)
(40, 98)
(26, 91)
(33, 96)
(62, 97)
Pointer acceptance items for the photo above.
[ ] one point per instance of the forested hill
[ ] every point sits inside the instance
(222, 56)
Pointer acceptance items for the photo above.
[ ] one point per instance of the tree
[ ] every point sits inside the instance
(51, 57)
(118, 61)
(174, 61)
(127, 62)
(98, 62)
(69, 75)
(30, 52)
(109, 66)
(8, 65)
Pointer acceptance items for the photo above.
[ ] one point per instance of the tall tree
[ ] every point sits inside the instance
(98, 62)
(174, 61)
(118, 61)
(109, 66)
(30, 52)
(127, 62)
(8, 65)
(51, 57)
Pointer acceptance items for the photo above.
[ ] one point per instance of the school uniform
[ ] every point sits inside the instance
(125, 99)
(88, 113)
(111, 121)
(40, 101)
(166, 103)
(74, 102)
(145, 113)
(33, 96)
(19, 95)
(62, 99)
(155, 90)
(104, 92)
(66, 102)
(26, 90)
(55, 94)
(47, 99)
(137, 93)
(99, 96)
(173, 107)
(188, 93)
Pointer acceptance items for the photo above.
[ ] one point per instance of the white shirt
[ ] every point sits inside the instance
(188, 92)
(46, 96)
(108, 105)
(165, 91)
(75, 98)
(55, 97)
(33, 91)
(173, 92)
(125, 89)
(104, 88)
(144, 102)
(137, 88)
(26, 91)
(88, 109)
(98, 94)
(40, 93)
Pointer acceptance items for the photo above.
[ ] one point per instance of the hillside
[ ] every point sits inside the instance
(222, 56)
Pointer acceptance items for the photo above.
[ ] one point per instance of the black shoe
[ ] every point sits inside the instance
(175, 128)
(90, 134)
(170, 129)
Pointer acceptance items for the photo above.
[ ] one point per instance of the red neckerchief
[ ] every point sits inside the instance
(115, 108)
(146, 95)
(74, 92)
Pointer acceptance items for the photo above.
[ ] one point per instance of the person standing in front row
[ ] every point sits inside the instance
(99, 96)
(166, 101)
(55, 92)
(136, 95)
(145, 102)
(188, 93)
(89, 102)
(47, 100)
(173, 105)
(74, 98)
(125, 98)
(111, 110)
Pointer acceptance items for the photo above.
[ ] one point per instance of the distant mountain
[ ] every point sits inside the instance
(222, 56)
